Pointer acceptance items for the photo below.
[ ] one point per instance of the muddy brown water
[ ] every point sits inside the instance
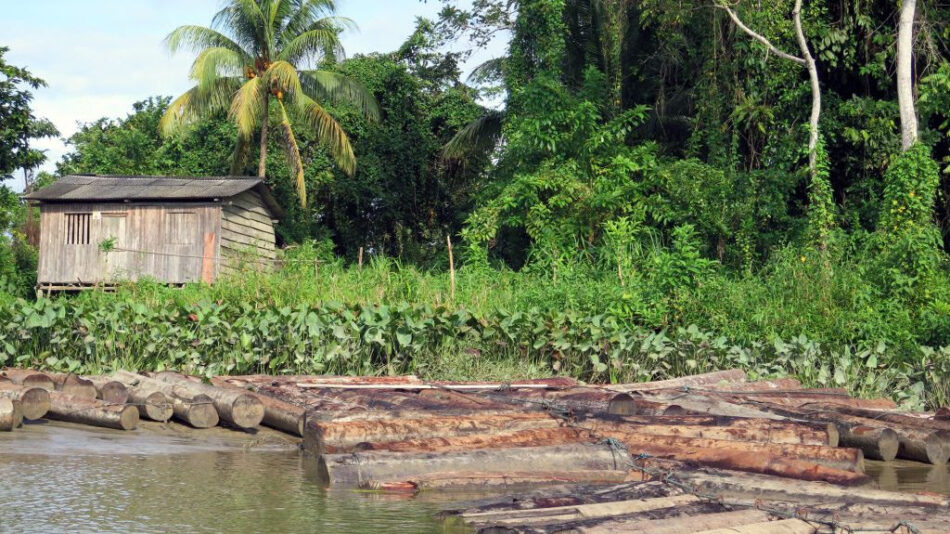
(58, 477)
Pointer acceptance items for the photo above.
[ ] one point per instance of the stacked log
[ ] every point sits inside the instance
(92, 412)
(193, 409)
(236, 407)
(34, 401)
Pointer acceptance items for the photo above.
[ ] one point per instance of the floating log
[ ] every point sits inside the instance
(193, 409)
(677, 525)
(765, 432)
(74, 386)
(278, 414)
(823, 433)
(366, 467)
(11, 416)
(564, 514)
(876, 442)
(34, 401)
(344, 435)
(708, 379)
(482, 479)
(109, 390)
(26, 377)
(92, 412)
(782, 526)
(521, 438)
(764, 487)
(924, 445)
(744, 455)
(236, 407)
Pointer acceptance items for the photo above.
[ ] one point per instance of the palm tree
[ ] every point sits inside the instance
(248, 64)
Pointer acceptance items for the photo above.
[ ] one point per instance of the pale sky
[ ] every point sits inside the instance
(100, 56)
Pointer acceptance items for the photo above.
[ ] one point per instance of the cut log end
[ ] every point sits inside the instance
(128, 418)
(10, 414)
(155, 406)
(247, 411)
(113, 392)
(35, 402)
(200, 413)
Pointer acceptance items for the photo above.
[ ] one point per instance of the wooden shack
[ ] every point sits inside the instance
(99, 230)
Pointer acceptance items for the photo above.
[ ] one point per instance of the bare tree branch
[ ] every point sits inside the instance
(772, 48)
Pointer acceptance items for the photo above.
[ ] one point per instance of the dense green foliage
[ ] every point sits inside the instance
(640, 206)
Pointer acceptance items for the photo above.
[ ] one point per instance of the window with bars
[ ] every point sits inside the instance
(77, 228)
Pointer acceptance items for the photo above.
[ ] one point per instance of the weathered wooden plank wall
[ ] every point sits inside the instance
(247, 232)
(162, 241)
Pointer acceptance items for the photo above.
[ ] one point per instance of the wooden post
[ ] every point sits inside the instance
(360, 259)
(207, 259)
(448, 239)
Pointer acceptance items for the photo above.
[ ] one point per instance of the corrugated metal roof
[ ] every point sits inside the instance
(78, 188)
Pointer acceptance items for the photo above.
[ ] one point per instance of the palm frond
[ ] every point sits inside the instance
(285, 75)
(293, 155)
(198, 38)
(311, 42)
(305, 13)
(479, 136)
(247, 22)
(326, 86)
(328, 131)
(197, 102)
(248, 107)
(488, 71)
(212, 63)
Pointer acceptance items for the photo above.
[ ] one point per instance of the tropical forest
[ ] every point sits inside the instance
(633, 190)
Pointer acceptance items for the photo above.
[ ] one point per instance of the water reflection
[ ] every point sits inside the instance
(902, 475)
(83, 483)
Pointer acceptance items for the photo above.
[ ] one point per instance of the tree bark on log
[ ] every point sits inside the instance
(521, 438)
(11, 416)
(278, 414)
(92, 412)
(366, 467)
(743, 455)
(782, 526)
(877, 443)
(340, 436)
(481, 479)
(822, 432)
(705, 380)
(239, 408)
(195, 410)
(761, 433)
(74, 386)
(34, 401)
(26, 377)
(109, 390)
(562, 514)
(763, 487)
(674, 525)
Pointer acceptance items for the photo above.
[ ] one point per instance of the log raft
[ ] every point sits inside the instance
(710, 453)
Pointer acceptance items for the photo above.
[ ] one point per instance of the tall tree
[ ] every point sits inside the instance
(249, 63)
(18, 125)
(905, 82)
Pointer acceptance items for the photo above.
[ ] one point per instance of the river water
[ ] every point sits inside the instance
(57, 477)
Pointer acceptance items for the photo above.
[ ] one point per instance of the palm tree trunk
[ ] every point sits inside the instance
(262, 162)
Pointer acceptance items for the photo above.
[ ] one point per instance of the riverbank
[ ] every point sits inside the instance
(714, 450)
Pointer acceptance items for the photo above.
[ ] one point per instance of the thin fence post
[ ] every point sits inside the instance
(360, 259)
(448, 240)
